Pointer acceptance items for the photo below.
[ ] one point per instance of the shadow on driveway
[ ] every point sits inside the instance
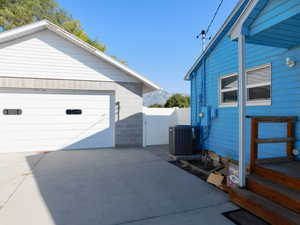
(112, 187)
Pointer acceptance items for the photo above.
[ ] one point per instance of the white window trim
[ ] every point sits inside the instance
(266, 102)
(228, 104)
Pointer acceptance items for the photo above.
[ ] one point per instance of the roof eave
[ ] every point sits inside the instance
(22, 31)
(151, 86)
(45, 24)
(239, 25)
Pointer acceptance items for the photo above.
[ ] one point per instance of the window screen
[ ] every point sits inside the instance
(259, 93)
(259, 84)
(229, 82)
(229, 89)
(229, 96)
(259, 76)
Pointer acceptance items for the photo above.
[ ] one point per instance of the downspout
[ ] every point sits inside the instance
(204, 82)
(242, 109)
(194, 107)
(192, 98)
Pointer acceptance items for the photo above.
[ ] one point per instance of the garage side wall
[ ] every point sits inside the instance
(129, 114)
(128, 102)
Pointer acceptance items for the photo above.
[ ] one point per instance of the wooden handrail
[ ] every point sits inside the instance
(274, 119)
(289, 140)
(274, 140)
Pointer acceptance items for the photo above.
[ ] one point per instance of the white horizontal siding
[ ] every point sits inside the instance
(47, 55)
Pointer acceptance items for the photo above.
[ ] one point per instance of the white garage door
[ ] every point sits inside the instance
(53, 120)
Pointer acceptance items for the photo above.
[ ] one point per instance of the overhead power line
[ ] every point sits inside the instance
(214, 17)
(205, 32)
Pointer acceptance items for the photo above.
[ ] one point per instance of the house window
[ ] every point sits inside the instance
(12, 111)
(229, 89)
(258, 87)
(73, 111)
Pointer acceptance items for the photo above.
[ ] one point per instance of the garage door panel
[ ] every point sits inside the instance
(52, 138)
(44, 124)
(58, 109)
(41, 119)
(31, 100)
(53, 134)
(28, 147)
(56, 113)
(35, 127)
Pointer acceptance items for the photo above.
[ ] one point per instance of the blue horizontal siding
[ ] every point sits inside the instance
(275, 12)
(223, 133)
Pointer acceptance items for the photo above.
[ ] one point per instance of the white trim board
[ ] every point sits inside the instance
(236, 29)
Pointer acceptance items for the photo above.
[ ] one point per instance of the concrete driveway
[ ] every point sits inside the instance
(104, 187)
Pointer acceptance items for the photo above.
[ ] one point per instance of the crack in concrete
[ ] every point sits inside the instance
(25, 175)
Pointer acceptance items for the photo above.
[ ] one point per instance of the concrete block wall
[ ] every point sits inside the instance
(129, 114)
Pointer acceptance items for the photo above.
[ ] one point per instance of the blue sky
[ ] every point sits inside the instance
(157, 38)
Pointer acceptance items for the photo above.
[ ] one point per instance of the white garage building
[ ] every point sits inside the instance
(57, 92)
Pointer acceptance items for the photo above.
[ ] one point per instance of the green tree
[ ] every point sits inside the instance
(178, 100)
(120, 60)
(14, 13)
(156, 106)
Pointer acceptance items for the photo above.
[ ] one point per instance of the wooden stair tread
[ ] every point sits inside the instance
(279, 193)
(278, 175)
(264, 208)
(290, 168)
(293, 193)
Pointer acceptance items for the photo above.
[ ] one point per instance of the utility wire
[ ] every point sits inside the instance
(214, 17)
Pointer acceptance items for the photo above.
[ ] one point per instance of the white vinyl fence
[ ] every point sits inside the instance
(157, 122)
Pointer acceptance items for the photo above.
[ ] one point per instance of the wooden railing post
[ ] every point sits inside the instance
(255, 140)
(254, 136)
(290, 134)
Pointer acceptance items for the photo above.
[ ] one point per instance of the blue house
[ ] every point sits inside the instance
(254, 55)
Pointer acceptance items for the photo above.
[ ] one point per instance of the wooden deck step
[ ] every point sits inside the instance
(264, 208)
(281, 194)
(277, 177)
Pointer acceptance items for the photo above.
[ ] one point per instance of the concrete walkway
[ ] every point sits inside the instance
(104, 187)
